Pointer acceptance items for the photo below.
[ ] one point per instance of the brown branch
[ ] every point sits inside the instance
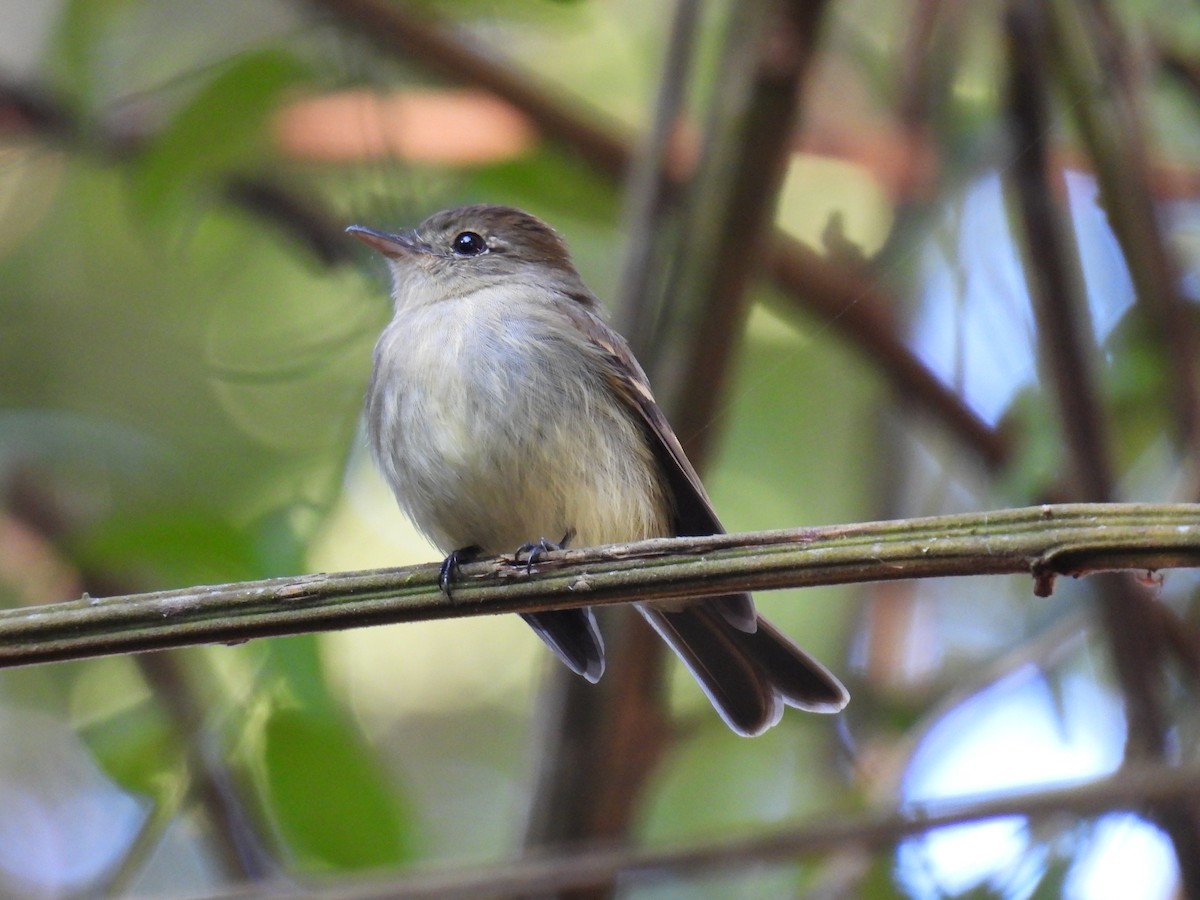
(860, 309)
(1095, 68)
(415, 35)
(600, 744)
(1133, 789)
(755, 112)
(295, 216)
(1128, 611)
(420, 38)
(1052, 268)
(652, 192)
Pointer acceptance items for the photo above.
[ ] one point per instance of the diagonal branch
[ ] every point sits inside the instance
(1131, 789)
(1042, 542)
(420, 38)
(1096, 71)
(756, 107)
(1128, 611)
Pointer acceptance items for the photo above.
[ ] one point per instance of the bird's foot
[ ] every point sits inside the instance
(451, 563)
(534, 550)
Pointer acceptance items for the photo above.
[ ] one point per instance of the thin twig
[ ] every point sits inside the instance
(1132, 789)
(731, 200)
(651, 187)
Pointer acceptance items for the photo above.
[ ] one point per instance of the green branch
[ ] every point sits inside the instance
(1043, 542)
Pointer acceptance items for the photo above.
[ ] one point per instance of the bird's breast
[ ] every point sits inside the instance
(493, 424)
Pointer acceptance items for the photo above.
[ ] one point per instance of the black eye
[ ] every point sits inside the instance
(469, 244)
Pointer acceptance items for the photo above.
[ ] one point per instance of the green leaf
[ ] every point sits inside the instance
(330, 800)
(295, 661)
(219, 130)
(137, 747)
(170, 548)
(83, 27)
(549, 183)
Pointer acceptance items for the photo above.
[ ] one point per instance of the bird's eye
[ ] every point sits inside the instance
(468, 243)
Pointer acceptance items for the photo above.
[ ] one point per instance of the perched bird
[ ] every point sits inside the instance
(502, 410)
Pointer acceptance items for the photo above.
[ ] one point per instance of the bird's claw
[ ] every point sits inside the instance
(535, 549)
(451, 563)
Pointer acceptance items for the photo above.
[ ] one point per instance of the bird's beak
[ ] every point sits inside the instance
(393, 246)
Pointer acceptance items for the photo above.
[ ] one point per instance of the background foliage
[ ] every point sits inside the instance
(979, 295)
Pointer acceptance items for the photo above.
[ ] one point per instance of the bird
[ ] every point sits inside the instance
(503, 411)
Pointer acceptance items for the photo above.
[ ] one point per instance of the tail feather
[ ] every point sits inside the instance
(736, 609)
(802, 681)
(574, 637)
(749, 677)
(709, 648)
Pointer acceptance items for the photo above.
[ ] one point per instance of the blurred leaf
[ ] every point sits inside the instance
(221, 128)
(1136, 379)
(278, 546)
(296, 661)
(550, 183)
(83, 27)
(169, 548)
(1038, 460)
(1053, 882)
(778, 774)
(879, 880)
(138, 748)
(328, 796)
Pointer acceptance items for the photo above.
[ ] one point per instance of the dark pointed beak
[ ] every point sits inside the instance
(392, 246)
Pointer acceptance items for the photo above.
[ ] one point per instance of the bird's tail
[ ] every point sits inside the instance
(749, 675)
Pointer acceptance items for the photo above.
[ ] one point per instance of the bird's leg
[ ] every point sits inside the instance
(536, 548)
(453, 560)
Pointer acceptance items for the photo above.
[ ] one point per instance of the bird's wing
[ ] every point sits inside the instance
(693, 512)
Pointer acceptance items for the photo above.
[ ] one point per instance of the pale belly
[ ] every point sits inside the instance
(490, 436)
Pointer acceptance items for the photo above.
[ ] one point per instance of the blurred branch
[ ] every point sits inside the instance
(925, 62)
(236, 844)
(303, 219)
(856, 307)
(727, 215)
(419, 37)
(295, 215)
(1131, 789)
(651, 188)
(599, 744)
(1043, 542)
(1182, 66)
(26, 108)
(1052, 267)
(860, 309)
(1131, 617)
(413, 33)
(686, 341)
(1096, 71)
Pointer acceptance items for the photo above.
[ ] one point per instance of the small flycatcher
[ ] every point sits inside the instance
(502, 409)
